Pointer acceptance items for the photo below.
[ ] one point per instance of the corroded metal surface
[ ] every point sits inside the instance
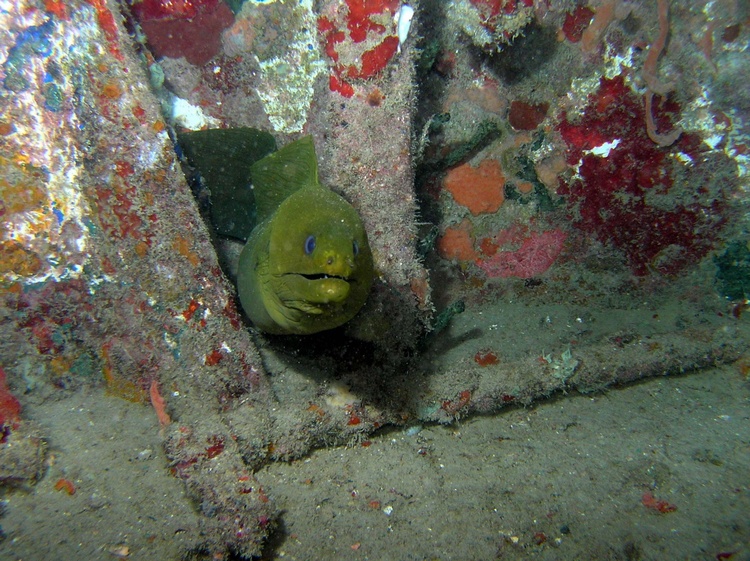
(108, 271)
(109, 275)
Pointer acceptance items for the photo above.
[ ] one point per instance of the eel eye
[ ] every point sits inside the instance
(309, 245)
(355, 248)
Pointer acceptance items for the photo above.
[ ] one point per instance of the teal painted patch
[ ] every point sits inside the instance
(53, 97)
(90, 226)
(30, 42)
(733, 274)
(83, 366)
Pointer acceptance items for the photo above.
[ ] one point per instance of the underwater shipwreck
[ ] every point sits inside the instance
(552, 197)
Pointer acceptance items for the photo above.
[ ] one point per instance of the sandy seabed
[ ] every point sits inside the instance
(564, 479)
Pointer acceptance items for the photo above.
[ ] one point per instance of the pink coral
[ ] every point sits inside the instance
(537, 253)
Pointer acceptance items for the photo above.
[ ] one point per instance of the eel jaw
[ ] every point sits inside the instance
(315, 289)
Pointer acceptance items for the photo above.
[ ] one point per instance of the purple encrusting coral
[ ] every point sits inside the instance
(189, 29)
(632, 193)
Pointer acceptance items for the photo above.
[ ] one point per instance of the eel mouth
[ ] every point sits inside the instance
(323, 276)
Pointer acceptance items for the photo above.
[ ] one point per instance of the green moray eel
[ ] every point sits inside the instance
(307, 265)
(223, 158)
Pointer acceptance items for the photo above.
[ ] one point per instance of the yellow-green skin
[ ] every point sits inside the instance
(285, 290)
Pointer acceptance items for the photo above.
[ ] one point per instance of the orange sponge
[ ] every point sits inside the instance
(456, 243)
(478, 189)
